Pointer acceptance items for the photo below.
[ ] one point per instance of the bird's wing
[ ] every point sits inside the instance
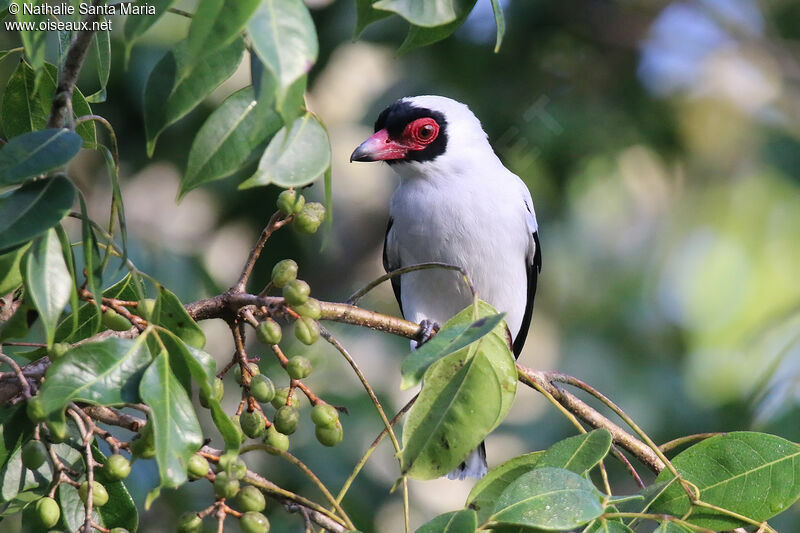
(533, 266)
(391, 261)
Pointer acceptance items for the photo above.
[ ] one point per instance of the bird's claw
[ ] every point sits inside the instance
(428, 329)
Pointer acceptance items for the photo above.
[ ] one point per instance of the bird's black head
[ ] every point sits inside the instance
(405, 132)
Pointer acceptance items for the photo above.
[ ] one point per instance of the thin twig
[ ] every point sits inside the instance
(356, 296)
(275, 222)
(23, 381)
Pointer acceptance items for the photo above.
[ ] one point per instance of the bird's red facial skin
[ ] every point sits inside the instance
(420, 133)
(416, 136)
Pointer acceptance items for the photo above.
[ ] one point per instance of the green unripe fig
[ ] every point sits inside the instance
(117, 467)
(56, 431)
(236, 419)
(276, 439)
(269, 332)
(280, 398)
(225, 485)
(48, 512)
(299, 367)
(252, 423)
(290, 202)
(119, 530)
(324, 415)
(144, 447)
(115, 321)
(217, 391)
(237, 371)
(99, 494)
(284, 272)
(35, 410)
(310, 309)
(262, 388)
(306, 330)
(253, 522)
(58, 350)
(146, 307)
(329, 436)
(34, 454)
(286, 419)
(236, 468)
(197, 467)
(310, 217)
(250, 499)
(296, 292)
(190, 523)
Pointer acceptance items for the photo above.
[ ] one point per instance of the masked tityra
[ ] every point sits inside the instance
(456, 204)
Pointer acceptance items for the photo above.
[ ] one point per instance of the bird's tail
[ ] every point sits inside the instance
(474, 466)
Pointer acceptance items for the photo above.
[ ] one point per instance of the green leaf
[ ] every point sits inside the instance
(500, 21)
(120, 511)
(15, 429)
(671, 527)
(26, 106)
(73, 512)
(753, 474)
(69, 258)
(215, 24)
(451, 338)
(174, 87)
(580, 453)
(548, 498)
(34, 40)
(607, 526)
(47, 280)
(20, 322)
(294, 157)
(484, 494)
(169, 313)
(10, 274)
(461, 521)
(101, 51)
(429, 13)
(228, 138)
(366, 15)
(285, 39)
(92, 265)
(33, 209)
(466, 394)
(103, 372)
(419, 36)
(16, 478)
(137, 25)
(35, 153)
(176, 431)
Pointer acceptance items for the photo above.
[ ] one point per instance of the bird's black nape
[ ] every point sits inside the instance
(400, 114)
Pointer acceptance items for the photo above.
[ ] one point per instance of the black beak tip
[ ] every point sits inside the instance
(360, 155)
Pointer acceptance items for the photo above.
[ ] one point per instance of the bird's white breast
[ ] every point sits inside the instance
(477, 222)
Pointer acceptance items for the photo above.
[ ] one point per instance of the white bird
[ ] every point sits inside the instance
(456, 204)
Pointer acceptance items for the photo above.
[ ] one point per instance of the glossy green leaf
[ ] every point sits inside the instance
(33, 209)
(16, 478)
(228, 138)
(73, 512)
(26, 107)
(607, 526)
(103, 372)
(101, 52)
(15, 428)
(429, 13)
(671, 527)
(35, 153)
(295, 156)
(451, 338)
(728, 470)
(484, 494)
(216, 23)
(285, 39)
(176, 431)
(117, 205)
(34, 40)
(92, 266)
(419, 36)
(169, 313)
(120, 511)
(548, 498)
(366, 15)
(500, 22)
(47, 280)
(10, 274)
(20, 322)
(461, 521)
(580, 453)
(466, 394)
(69, 259)
(174, 87)
(137, 25)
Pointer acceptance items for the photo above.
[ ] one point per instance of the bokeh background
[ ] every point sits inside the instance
(661, 143)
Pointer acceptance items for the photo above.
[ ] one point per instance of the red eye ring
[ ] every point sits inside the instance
(421, 133)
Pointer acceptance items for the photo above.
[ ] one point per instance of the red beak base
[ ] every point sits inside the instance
(379, 147)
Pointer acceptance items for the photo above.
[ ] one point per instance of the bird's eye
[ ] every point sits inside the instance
(422, 131)
(426, 131)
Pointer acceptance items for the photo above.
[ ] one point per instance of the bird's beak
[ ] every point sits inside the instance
(379, 147)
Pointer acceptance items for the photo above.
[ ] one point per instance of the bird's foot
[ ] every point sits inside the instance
(428, 329)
